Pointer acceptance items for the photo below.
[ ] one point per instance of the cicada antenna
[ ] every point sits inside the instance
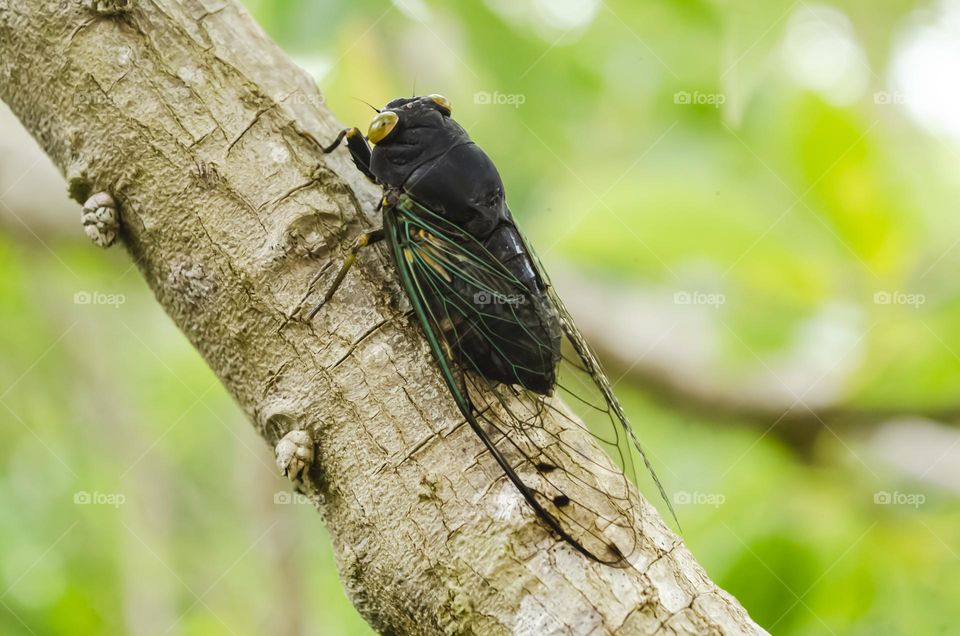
(367, 103)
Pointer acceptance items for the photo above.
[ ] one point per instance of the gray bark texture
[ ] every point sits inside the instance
(202, 131)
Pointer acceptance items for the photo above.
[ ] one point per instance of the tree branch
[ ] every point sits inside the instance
(202, 132)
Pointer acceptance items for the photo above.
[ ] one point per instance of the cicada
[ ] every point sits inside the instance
(499, 333)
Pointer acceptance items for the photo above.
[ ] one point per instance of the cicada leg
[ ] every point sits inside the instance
(362, 241)
(359, 150)
(360, 153)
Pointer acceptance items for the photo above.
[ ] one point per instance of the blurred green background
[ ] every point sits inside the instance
(751, 208)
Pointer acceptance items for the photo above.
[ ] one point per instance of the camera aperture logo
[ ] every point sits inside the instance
(496, 98)
(496, 298)
(897, 498)
(887, 98)
(96, 498)
(84, 297)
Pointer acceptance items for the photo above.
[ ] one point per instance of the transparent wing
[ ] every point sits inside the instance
(586, 378)
(584, 496)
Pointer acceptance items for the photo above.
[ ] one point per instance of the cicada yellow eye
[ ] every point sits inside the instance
(442, 102)
(382, 125)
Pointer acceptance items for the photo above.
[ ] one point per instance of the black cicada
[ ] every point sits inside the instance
(495, 325)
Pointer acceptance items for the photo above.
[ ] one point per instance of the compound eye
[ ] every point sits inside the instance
(382, 125)
(442, 102)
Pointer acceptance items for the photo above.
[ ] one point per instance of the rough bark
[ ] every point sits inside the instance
(198, 126)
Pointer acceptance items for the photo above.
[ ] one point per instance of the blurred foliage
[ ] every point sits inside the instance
(815, 198)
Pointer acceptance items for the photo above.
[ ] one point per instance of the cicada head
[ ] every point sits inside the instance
(410, 131)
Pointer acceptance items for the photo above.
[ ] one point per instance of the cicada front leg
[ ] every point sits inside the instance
(359, 150)
(362, 241)
(360, 153)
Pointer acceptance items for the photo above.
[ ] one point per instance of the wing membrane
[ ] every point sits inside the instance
(581, 494)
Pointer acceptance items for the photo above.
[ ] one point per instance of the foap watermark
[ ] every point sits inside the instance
(96, 498)
(897, 498)
(496, 298)
(898, 298)
(687, 498)
(95, 5)
(90, 98)
(496, 98)
(98, 298)
(698, 98)
(300, 98)
(887, 98)
(285, 498)
(698, 298)
(108, 6)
